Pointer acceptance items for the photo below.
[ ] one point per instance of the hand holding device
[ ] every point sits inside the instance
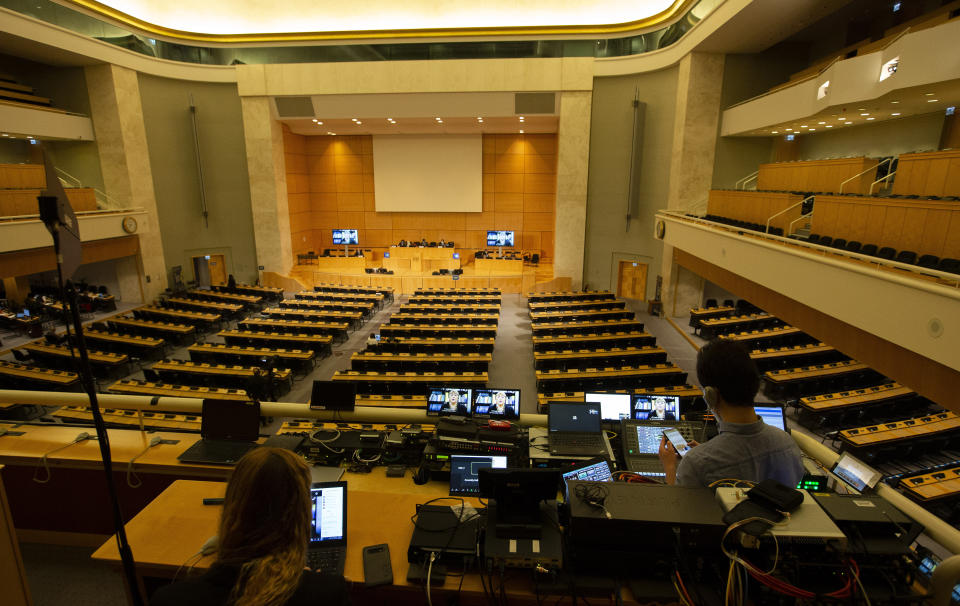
(677, 441)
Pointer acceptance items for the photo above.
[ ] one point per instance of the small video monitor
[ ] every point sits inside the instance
(345, 236)
(449, 401)
(500, 238)
(772, 415)
(655, 407)
(856, 473)
(613, 406)
(333, 395)
(26, 313)
(456, 255)
(386, 255)
(598, 471)
(497, 403)
(465, 469)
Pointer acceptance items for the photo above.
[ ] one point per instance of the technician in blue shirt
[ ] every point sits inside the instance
(746, 448)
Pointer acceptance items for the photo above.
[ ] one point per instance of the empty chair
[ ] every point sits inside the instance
(869, 249)
(825, 241)
(710, 303)
(535, 258)
(907, 256)
(21, 356)
(728, 302)
(151, 375)
(949, 265)
(887, 253)
(854, 246)
(813, 238)
(929, 261)
(840, 243)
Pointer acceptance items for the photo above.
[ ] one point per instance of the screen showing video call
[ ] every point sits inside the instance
(497, 403)
(656, 408)
(345, 236)
(449, 401)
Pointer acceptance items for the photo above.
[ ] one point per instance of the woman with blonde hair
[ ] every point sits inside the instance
(262, 541)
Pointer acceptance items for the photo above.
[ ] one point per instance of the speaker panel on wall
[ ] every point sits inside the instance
(534, 103)
(294, 107)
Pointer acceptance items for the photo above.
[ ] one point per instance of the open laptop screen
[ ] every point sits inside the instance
(566, 417)
(613, 406)
(855, 473)
(771, 415)
(230, 420)
(654, 407)
(464, 472)
(328, 519)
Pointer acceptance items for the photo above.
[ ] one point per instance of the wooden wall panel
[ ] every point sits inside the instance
(754, 206)
(927, 377)
(817, 175)
(928, 174)
(336, 176)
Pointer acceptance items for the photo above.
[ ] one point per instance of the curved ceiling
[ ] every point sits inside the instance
(260, 21)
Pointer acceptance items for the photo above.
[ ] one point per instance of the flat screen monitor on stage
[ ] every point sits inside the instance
(345, 236)
(500, 238)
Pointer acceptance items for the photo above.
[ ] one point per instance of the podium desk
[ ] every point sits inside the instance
(411, 259)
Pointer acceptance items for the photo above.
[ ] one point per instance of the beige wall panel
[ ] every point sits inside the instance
(325, 220)
(874, 229)
(535, 163)
(508, 202)
(951, 244)
(509, 163)
(538, 221)
(489, 160)
(911, 238)
(538, 203)
(294, 144)
(351, 220)
(323, 183)
(368, 186)
(512, 221)
(544, 145)
(478, 221)
(347, 202)
(504, 183)
(347, 165)
(321, 165)
(476, 239)
(488, 200)
(508, 144)
(935, 232)
(369, 202)
(296, 162)
(892, 225)
(844, 229)
(489, 182)
(323, 201)
(547, 245)
(530, 240)
(936, 177)
(375, 220)
(349, 183)
(536, 183)
(366, 164)
(374, 238)
(317, 146)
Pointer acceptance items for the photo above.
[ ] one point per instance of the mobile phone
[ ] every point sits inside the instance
(673, 436)
(376, 565)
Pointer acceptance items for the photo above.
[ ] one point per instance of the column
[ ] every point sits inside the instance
(125, 161)
(573, 155)
(699, 82)
(268, 185)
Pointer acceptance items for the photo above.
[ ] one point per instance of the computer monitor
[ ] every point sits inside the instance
(449, 401)
(598, 471)
(655, 407)
(230, 420)
(464, 470)
(345, 236)
(648, 439)
(497, 403)
(613, 406)
(26, 313)
(856, 473)
(500, 238)
(518, 494)
(328, 514)
(771, 415)
(333, 395)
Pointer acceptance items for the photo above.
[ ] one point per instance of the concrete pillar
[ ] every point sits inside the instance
(573, 156)
(266, 166)
(699, 82)
(17, 288)
(125, 161)
(128, 280)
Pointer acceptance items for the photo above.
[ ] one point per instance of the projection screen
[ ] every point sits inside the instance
(428, 173)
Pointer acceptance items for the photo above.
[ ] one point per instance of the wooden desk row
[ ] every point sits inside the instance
(177, 333)
(354, 318)
(404, 317)
(699, 314)
(564, 359)
(364, 309)
(570, 295)
(584, 327)
(817, 378)
(179, 316)
(896, 432)
(267, 292)
(686, 392)
(337, 330)
(319, 344)
(407, 383)
(600, 379)
(770, 337)
(141, 347)
(383, 362)
(940, 484)
(456, 292)
(226, 309)
(148, 388)
(434, 330)
(544, 317)
(410, 344)
(186, 367)
(297, 359)
(387, 291)
(59, 356)
(856, 398)
(714, 327)
(772, 358)
(453, 307)
(624, 338)
(20, 376)
(434, 299)
(611, 303)
(308, 295)
(131, 418)
(249, 302)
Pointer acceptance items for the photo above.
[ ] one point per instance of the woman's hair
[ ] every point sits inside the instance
(264, 526)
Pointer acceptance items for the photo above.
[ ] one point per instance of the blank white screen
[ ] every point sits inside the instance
(428, 173)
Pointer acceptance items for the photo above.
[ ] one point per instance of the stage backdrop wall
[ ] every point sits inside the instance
(330, 185)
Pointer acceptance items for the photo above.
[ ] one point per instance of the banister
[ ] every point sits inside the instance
(800, 218)
(746, 179)
(864, 172)
(800, 203)
(884, 178)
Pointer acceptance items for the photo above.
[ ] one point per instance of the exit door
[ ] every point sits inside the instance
(632, 280)
(210, 270)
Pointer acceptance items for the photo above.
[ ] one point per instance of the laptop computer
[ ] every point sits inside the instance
(574, 429)
(333, 395)
(229, 429)
(327, 548)
(772, 415)
(464, 470)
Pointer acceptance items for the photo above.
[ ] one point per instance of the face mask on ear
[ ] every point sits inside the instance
(712, 397)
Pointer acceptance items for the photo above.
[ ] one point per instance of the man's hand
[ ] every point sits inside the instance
(670, 459)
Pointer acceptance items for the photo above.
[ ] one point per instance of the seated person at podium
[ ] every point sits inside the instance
(746, 448)
(402, 243)
(423, 242)
(442, 243)
(261, 544)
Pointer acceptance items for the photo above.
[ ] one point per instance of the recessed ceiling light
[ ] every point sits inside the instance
(821, 122)
(314, 119)
(894, 102)
(928, 94)
(848, 123)
(842, 118)
(775, 132)
(895, 114)
(521, 131)
(803, 126)
(358, 123)
(811, 129)
(932, 100)
(864, 114)
(871, 118)
(861, 109)
(319, 123)
(329, 133)
(829, 126)
(521, 118)
(438, 119)
(788, 129)
(354, 119)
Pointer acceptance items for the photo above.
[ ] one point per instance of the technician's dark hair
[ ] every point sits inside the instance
(726, 366)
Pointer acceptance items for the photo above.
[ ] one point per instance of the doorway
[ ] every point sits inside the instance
(632, 280)
(210, 270)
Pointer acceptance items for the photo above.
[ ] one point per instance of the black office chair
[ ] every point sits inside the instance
(825, 241)
(151, 375)
(369, 270)
(840, 243)
(710, 303)
(21, 356)
(813, 238)
(444, 272)
(853, 246)
(728, 302)
(949, 265)
(869, 249)
(907, 256)
(929, 261)
(887, 253)
(535, 258)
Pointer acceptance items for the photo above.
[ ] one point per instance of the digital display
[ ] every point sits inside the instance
(648, 439)
(613, 406)
(345, 236)
(497, 403)
(855, 473)
(230, 420)
(328, 513)
(771, 415)
(580, 418)
(448, 401)
(500, 238)
(464, 472)
(597, 472)
(674, 437)
(649, 407)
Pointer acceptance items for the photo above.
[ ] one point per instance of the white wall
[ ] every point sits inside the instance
(887, 138)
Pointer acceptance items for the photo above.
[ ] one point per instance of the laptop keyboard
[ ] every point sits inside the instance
(586, 441)
(329, 561)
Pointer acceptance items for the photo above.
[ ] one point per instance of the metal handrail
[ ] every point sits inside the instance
(701, 204)
(864, 172)
(79, 213)
(884, 178)
(108, 202)
(746, 179)
(800, 203)
(800, 218)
